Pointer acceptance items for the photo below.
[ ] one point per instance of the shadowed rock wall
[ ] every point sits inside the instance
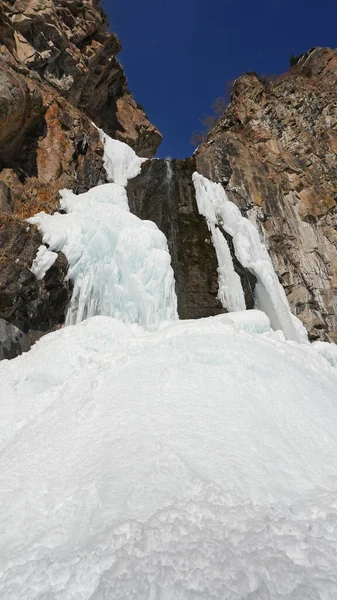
(164, 193)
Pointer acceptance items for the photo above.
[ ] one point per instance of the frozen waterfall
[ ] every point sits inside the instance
(120, 265)
(269, 294)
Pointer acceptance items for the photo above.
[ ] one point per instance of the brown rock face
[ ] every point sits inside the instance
(58, 73)
(275, 152)
(67, 45)
(30, 305)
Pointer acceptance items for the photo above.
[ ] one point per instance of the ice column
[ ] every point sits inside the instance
(120, 265)
(269, 294)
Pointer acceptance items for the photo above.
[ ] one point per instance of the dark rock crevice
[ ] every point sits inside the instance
(31, 306)
(248, 279)
(164, 193)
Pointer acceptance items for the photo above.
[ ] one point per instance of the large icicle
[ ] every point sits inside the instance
(230, 292)
(119, 264)
(269, 294)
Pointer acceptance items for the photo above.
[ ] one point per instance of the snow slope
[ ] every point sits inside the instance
(195, 462)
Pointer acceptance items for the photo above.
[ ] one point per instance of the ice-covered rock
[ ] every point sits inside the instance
(250, 252)
(120, 161)
(329, 351)
(43, 261)
(119, 264)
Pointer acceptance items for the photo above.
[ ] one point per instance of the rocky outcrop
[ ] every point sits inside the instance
(29, 305)
(164, 193)
(59, 73)
(275, 152)
(45, 144)
(68, 46)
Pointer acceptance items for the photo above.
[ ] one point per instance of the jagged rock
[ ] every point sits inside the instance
(20, 106)
(12, 340)
(67, 45)
(30, 305)
(134, 130)
(275, 152)
(164, 193)
(5, 198)
(46, 142)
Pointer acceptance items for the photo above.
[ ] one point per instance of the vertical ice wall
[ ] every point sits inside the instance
(269, 294)
(230, 294)
(120, 265)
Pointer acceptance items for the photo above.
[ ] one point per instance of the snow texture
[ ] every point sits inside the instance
(329, 351)
(195, 462)
(43, 261)
(147, 458)
(119, 264)
(251, 253)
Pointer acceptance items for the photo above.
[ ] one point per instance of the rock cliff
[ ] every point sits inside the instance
(59, 73)
(164, 193)
(275, 152)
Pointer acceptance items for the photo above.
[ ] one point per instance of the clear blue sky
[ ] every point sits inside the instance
(179, 54)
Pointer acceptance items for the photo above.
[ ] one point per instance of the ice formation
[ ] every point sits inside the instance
(43, 261)
(197, 461)
(269, 294)
(119, 264)
(120, 161)
(230, 292)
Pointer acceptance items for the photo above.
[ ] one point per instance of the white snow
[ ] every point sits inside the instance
(43, 261)
(251, 253)
(120, 161)
(329, 351)
(119, 264)
(197, 461)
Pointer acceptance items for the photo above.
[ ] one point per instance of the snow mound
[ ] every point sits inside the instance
(269, 294)
(119, 264)
(329, 351)
(197, 461)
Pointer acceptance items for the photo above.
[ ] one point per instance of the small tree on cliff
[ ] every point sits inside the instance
(293, 60)
(209, 121)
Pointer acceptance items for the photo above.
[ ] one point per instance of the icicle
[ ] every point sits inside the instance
(230, 292)
(251, 253)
